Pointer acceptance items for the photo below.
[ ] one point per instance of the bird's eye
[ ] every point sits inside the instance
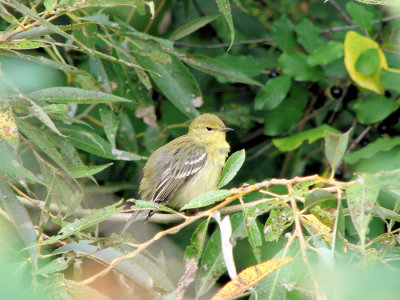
(209, 128)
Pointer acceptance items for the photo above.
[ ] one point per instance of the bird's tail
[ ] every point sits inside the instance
(139, 215)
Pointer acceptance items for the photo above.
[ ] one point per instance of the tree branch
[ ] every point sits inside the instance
(268, 40)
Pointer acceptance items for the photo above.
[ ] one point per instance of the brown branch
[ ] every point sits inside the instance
(173, 230)
(342, 13)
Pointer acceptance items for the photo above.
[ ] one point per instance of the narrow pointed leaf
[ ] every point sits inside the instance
(86, 171)
(87, 221)
(253, 233)
(361, 197)
(232, 166)
(225, 228)
(335, 146)
(74, 95)
(212, 263)
(19, 217)
(225, 8)
(197, 242)
(249, 277)
(111, 124)
(191, 27)
(208, 199)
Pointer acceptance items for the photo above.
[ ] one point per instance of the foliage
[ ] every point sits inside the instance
(90, 88)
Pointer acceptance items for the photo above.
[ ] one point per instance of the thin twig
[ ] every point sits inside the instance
(155, 16)
(268, 40)
(342, 13)
(359, 138)
(173, 230)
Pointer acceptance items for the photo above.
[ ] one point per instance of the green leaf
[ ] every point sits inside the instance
(325, 54)
(295, 65)
(74, 95)
(273, 287)
(41, 114)
(111, 122)
(293, 142)
(273, 93)
(92, 143)
(44, 61)
(279, 219)
(87, 36)
(43, 141)
(191, 27)
(232, 166)
(382, 161)
(10, 165)
(101, 3)
(390, 80)
(197, 242)
(87, 171)
(216, 68)
(56, 265)
(38, 31)
(373, 110)
(309, 35)
(339, 230)
(151, 205)
(253, 232)
(291, 108)
(246, 64)
(212, 263)
(284, 35)
(22, 45)
(207, 199)
(368, 62)
(176, 82)
(127, 134)
(335, 146)
(369, 151)
(19, 217)
(98, 216)
(316, 197)
(225, 8)
(361, 198)
(360, 14)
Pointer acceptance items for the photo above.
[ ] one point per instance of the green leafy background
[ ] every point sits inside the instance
(89, 89)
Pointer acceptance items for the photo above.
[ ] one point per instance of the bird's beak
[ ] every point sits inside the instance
(225, 129)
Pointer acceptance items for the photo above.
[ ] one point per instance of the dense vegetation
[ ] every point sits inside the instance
(310, 196)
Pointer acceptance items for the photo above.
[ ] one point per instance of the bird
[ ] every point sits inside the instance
(186, 167)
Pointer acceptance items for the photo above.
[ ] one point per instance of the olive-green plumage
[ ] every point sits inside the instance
(187, 166)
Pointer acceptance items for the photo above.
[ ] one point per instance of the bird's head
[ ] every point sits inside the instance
(209, 129)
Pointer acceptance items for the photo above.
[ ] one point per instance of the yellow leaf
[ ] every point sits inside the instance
(321, 228)
(8, 127)
(249, 277)
(354, 45)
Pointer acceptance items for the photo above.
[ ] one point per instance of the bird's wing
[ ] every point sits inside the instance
(182, 166)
